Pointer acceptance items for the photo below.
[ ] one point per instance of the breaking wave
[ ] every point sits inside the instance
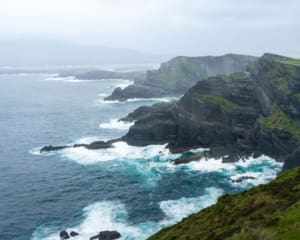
(113, 215)
(116, 124)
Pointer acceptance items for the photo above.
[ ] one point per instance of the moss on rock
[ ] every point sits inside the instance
(280, 120)
(217, 100)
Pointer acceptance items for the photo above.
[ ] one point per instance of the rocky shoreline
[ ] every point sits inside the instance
(235, 116)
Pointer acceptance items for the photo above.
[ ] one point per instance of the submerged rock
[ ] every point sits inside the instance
(241, 179)
(52, 148)
(74, 234)
(196, 157)
(106, 235)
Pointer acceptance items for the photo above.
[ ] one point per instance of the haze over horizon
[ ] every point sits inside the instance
(174, 27)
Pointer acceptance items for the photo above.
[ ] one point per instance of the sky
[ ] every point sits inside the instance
(177, 27)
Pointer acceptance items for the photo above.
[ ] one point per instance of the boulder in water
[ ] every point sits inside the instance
(64, 235)
(52, 148)
(74, 234)
(106, 235)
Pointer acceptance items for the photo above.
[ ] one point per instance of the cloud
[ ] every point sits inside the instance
(180, 26)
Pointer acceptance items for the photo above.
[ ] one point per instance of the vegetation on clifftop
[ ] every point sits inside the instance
(266, 212)
(279, 120)
(293, 61)
(217, 100)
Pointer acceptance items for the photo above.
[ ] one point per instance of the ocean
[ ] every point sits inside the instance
(134, 190)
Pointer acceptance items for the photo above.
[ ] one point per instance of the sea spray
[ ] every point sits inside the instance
(116, 124)
(113, 215)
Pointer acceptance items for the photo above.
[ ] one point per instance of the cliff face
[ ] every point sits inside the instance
(266, 212)
(235, 115)
(181, 73)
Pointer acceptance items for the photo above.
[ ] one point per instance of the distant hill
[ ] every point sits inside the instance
(54, 53)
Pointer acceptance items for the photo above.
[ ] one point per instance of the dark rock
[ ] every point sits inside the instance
(107, 235)
(144, 111)
(159, 127)
(74, 234)
(196, 157)
(95, 145)
(292, 161)
(235, 116)
(92, 146)
(64, 235)
(241, 179)
(136, 91)
(52, 148)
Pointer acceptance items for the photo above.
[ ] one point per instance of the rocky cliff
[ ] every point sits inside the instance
(266, 212)
(179, 74)
(234, 115)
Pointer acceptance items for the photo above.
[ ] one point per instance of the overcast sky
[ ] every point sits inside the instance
(185, 27)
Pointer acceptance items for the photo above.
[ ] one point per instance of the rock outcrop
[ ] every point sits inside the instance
(292, 161)
(64, 235)
(179, 74)
(92, 146)
(236, 115)
(106, 235)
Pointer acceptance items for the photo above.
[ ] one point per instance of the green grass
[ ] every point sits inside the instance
(283, 85)
(266, 212)
(283, 75)
(297, 96)
(279, 120)
(217, 100)
(292, 61)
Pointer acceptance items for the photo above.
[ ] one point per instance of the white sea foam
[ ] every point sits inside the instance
(120, 151)
(145, 101)
(164, 99)
(176, 210)
(152, 161)
(88, 140)
(123, 84)
(102, 216)
(103, 95)
(70, 79)
(263, 169)
(116, 124)
(36, 151)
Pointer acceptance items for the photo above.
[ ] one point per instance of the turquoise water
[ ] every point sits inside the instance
(135, 190)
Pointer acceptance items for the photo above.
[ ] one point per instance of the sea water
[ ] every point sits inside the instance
(134, 190)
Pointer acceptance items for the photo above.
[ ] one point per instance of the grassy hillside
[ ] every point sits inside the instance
(266, 212)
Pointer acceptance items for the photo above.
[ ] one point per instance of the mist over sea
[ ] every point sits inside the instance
(134, 190)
